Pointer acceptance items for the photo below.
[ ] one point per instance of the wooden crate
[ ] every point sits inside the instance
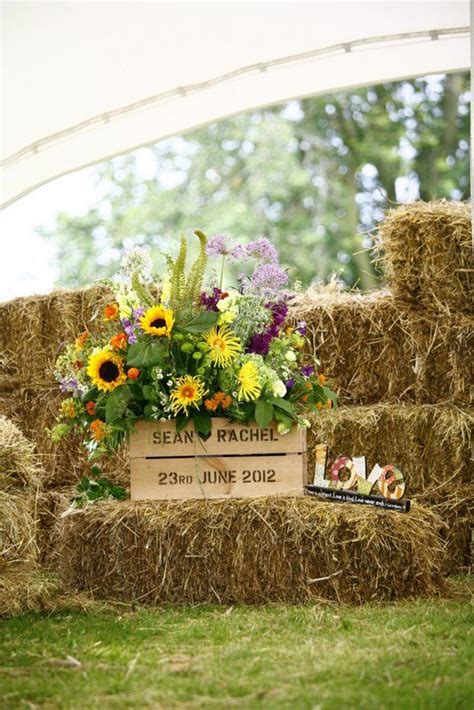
(237, 461)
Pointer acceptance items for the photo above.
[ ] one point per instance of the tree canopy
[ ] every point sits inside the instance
(314, 175)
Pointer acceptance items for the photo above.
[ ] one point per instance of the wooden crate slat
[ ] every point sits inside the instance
(160, 439)
(217, 477)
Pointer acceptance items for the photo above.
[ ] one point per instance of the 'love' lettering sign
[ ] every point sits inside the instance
(350, 474)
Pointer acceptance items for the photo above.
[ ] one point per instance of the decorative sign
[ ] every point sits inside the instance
(236, 461)
(348, 481)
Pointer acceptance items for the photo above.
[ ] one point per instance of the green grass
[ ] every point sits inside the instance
(407, 655)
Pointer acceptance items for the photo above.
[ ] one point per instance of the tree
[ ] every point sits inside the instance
(313, 175)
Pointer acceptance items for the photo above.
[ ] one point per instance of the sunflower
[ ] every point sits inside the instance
(157, 321)
(249, 382)
(105, 369)
(188, 392)
(223, 345)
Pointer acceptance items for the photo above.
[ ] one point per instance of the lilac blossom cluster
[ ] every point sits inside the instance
(71, 385)
(131, 325)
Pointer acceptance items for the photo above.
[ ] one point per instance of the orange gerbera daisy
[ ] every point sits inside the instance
(81, 340)
(90, 408)
(111, 311)
(119, 341)
(98, 429)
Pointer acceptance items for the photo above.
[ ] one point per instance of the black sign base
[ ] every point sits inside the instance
(343, 496)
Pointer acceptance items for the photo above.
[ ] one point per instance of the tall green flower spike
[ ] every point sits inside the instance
(196, 273)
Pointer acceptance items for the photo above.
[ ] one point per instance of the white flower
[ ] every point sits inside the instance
(138, 260)
(283, 428)
(278, 388)
(290, 356)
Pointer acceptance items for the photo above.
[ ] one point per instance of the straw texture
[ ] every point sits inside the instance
(253, 552)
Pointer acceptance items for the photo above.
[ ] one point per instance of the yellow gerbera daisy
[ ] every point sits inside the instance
(249, 382)
(105, 369)
(223, 345)
(188, 392)
(157, 321)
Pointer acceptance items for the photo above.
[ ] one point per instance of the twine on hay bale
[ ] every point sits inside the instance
(249, 551)
(430, 443)
(426, 251)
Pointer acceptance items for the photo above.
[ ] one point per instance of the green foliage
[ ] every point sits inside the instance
(263, 413)
(116, 404)
(92, 489)
(196, 273)
(178, 279)
(413, 654)
(146, 353)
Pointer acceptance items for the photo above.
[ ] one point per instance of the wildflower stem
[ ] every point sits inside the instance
(222, 272)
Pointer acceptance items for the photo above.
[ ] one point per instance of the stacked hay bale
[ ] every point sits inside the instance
(250, 552)
(398, 360)
(401, 365)
(30, 397)
(22, 586)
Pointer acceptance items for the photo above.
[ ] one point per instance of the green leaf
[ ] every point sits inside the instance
(329, 394)
(181, 421)
(96, 470)
(202, 424)
(263, 413)
(83, 484)
(148, 411)
(202, 323)
(146, 353)
(116, 404)
(283, 404)
(149, 393)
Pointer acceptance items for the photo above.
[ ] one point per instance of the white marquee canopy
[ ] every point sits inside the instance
(85, 81)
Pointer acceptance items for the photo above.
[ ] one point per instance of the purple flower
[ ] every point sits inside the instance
(260, 342)
(218, 245)
(210, 301)
(301, 327)
(307, 370)
(131, 326)
(268, 279)
(263, 250)
(238, 252)
(289, 384)
(279, 311)
(70, 384)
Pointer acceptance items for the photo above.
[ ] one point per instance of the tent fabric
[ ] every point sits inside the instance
(85, 81)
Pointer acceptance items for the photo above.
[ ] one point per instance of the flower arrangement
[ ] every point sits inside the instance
(174, 348)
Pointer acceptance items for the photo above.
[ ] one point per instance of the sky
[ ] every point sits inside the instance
(28, 266)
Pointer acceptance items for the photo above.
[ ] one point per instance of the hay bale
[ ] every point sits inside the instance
(17, 530)
(18, 464)
(427, 254)
(27, 589)
(36, 328)
(250, 551)
(363, 343)
(430, 443)
(375, 349)
(62, 464)
(444, 370)
(49, 506)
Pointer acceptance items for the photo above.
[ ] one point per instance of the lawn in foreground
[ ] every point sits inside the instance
(405, 655)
